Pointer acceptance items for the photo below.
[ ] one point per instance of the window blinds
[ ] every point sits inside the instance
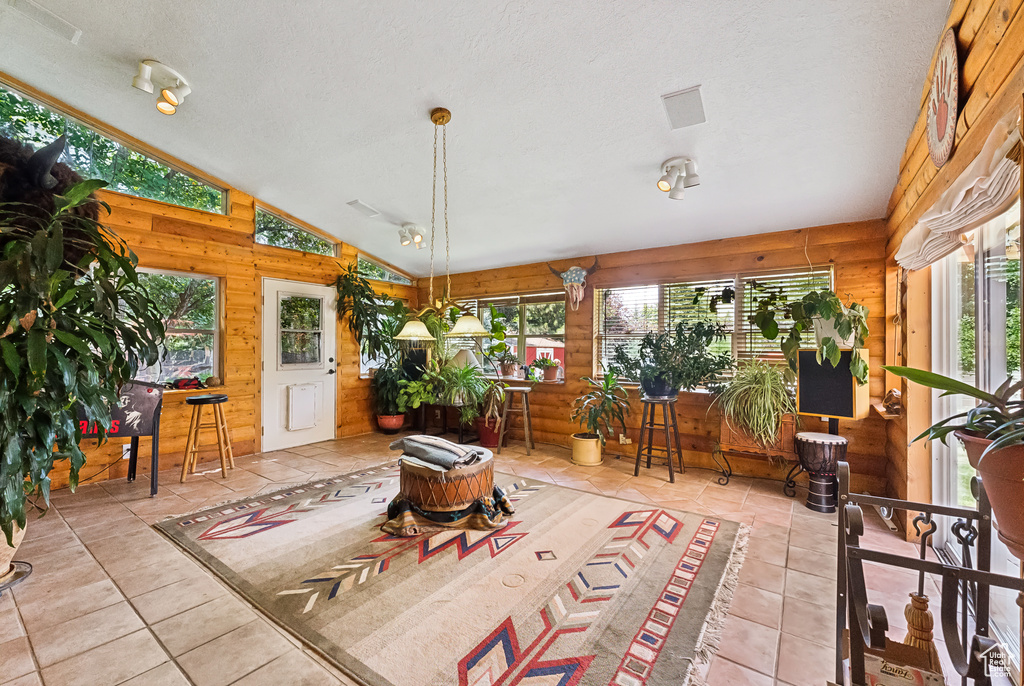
(625, 315)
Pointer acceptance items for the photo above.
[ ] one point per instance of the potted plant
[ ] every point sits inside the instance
(606, 402)
(993, 434)
(462, 387)
(487, 424)
(758, 411)
(665, 363)
(75, 324)
(508, 363)
(498, 350)
(548, 367)
(836, 326)
(386, 387)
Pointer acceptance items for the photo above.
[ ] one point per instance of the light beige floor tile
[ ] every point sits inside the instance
(293, 668)
(164, 572)
(763, 575)
(176, 598)
(110, 663)
(749, 644)
(768, 550)
(757, 605)
(809, 621)
(84, 633)
(16, 658)
(42, 614)
(10, 623)
(727, 673)
(32, 679)
(810, 587)
(233, 655)
(200, 625)
(812, 562)
(167, 674)
(803, 663)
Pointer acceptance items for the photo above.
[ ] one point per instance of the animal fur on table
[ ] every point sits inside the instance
(34, 178)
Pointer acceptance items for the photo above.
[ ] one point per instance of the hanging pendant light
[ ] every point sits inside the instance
(467, 324)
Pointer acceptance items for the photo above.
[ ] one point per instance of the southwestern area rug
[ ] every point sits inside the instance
(576, 589)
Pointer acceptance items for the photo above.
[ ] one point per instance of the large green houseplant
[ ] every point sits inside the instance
(75, 324)
(606, 404)
(993, 434)
(754, 403)
(683, 359)
(835, 324)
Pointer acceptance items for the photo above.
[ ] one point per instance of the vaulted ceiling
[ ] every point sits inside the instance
(558, 128)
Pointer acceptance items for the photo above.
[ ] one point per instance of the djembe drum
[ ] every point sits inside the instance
(450, 491)
(819, 454)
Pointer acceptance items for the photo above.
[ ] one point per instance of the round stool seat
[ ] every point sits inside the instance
(209, 399)
(518, 389)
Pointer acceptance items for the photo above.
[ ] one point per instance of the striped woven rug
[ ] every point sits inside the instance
(577, 588)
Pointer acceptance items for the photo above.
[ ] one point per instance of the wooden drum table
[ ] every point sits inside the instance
(819, 454)
(450, 491)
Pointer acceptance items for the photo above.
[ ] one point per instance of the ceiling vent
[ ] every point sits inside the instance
(363, 208)
(684, 108)
(47, 19)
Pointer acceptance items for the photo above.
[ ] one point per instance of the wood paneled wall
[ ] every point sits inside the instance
(990, 36)
(857, 252)
(174, 238)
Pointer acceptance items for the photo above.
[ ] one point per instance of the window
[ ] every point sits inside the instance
(534, 325)
(189, 305)
(372, 270)
(626, 315)
(301, 333)
(281, 233)
(95, 156)
(976, 338)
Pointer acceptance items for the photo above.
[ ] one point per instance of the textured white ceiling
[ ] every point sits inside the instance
(558, 128)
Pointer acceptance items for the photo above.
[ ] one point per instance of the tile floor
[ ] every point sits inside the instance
(113, 602)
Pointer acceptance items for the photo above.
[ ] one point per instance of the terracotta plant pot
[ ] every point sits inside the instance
(488, 430)
(7, 552)
(1002, 473)
(586, 450)
(390, 423)
(509, 369)
(551, 373)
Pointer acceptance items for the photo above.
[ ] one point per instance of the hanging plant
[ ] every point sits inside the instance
(836, 325)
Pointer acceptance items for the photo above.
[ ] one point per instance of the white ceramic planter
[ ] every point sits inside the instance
(586, 452)
(826, 328)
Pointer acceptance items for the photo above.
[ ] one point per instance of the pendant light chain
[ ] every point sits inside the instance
(433, 212)
(447, 242)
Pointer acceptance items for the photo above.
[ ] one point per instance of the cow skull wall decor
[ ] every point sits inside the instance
(575, 281)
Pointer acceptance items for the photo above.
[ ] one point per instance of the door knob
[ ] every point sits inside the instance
(330, 371)
(330, 359)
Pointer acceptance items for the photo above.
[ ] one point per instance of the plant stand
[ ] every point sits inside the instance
(18, 572)
(648, 424)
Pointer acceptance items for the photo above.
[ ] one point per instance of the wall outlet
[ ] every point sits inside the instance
(624, 439)
(126, 451)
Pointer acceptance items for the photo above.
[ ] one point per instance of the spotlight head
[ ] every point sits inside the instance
(417, 237)
(142, 79)
(404, 237)
(667, 179)
(165, 107)
(677, 190)
(176, 94)
(692, 179)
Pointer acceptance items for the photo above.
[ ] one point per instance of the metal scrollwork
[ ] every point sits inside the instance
(789, 488)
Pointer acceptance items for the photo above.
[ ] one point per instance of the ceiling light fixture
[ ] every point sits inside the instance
(171, 86)
(404, 236)
(678, 174)
(467, 324)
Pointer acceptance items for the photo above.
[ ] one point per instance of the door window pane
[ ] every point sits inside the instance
(301, 333)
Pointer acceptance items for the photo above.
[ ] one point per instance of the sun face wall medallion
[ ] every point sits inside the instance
(943, 100)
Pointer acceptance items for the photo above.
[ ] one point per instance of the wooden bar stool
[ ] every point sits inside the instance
(647, 427)
(227, 457)
(524, 410)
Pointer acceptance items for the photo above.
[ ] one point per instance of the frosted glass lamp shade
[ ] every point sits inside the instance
(468, 325)
(414, 330)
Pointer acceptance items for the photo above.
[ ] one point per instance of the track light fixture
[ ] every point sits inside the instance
(404, 236)
(678, 174)
(173, 88)
(410, 233)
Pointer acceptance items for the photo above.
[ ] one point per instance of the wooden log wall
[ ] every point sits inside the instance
(857, 252)
(990, 37)
(169, 237)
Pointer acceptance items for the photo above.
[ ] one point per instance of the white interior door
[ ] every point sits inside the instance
(299, 365)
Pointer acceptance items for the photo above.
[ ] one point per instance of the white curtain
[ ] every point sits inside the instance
(986, 189)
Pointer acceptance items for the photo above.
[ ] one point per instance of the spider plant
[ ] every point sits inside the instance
(755, 400)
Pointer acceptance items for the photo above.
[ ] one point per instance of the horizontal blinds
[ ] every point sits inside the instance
(749, 343)
(625, 315)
